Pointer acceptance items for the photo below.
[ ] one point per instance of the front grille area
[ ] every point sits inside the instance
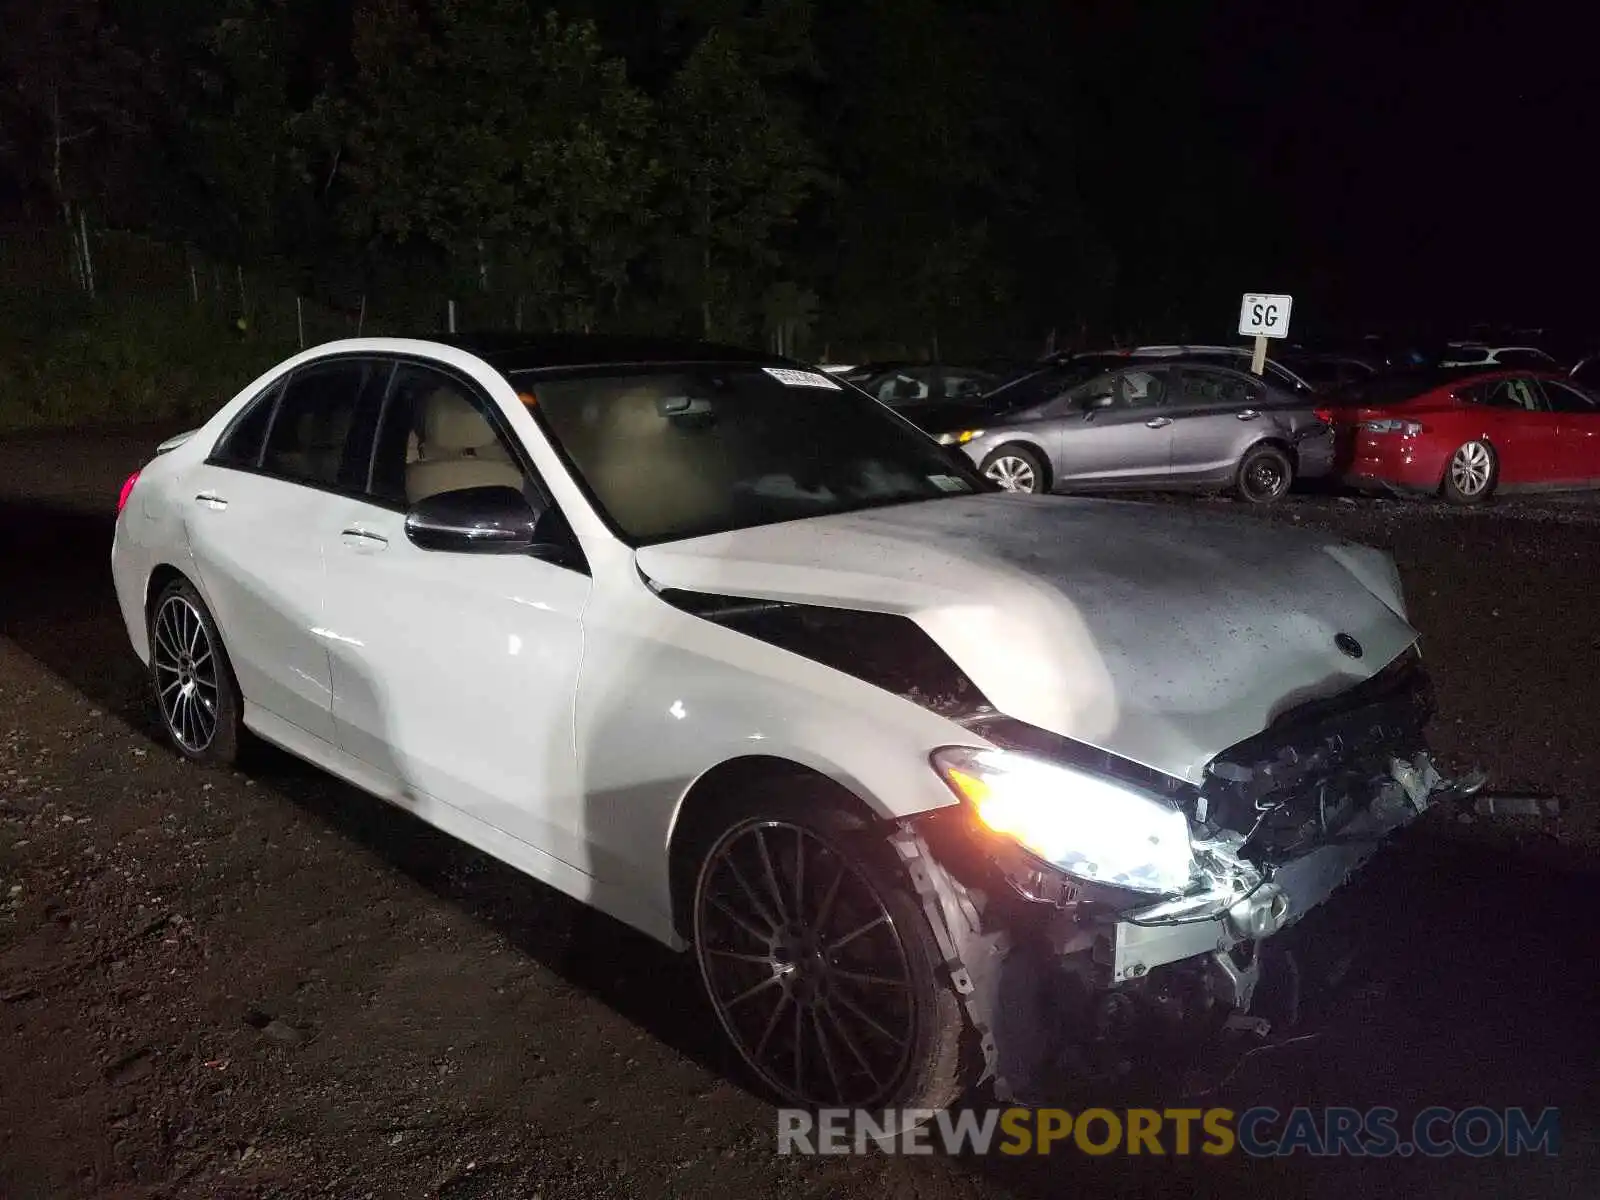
(1307, 775)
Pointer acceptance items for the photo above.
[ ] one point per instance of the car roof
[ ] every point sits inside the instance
(1168, 354)
(1421, 380)
(530, 352)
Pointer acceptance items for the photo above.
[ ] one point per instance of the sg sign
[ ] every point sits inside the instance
(1264, 316)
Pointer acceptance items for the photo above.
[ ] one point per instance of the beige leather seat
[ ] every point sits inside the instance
(456, 448)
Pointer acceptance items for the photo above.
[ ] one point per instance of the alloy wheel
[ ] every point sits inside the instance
(185, 665)
(805, 965)
(1471, 469)
(1012, 473)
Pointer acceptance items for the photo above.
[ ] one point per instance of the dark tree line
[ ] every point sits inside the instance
(877, 172)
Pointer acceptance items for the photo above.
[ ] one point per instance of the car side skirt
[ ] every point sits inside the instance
(627, 906)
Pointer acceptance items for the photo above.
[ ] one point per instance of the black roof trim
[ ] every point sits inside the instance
(508, 352)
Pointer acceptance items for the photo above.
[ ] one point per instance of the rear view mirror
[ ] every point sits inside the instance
(683, 406)
(476, 520)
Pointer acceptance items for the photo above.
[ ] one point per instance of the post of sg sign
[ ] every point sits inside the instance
(1262, 316)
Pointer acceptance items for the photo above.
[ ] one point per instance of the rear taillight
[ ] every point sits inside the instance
(127, 490)
(1325, 415)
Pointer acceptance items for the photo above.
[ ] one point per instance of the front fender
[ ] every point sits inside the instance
(665, 696)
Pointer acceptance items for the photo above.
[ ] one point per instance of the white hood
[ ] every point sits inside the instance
(1158, 634)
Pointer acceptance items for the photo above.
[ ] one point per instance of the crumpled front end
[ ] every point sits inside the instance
(1049, 963)
(1285, 817)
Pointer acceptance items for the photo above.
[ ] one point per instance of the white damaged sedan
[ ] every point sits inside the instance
(926, 776)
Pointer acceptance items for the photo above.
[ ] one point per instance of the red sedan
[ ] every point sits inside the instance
(1466, 436)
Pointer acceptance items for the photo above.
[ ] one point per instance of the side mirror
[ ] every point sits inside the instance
(1094, 404)
(475, 520)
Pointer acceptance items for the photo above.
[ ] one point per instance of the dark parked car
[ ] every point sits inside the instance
(1328, 372)
(1167, 422)
(903, 384)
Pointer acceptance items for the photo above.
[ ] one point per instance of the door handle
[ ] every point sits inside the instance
(1248, 414)
(212, 500)
(1158, 422)
(363, 539)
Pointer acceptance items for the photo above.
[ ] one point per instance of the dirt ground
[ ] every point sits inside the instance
(264, 984)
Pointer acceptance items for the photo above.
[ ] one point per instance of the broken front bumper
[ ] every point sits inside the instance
(1176, 930)
(1044, 961)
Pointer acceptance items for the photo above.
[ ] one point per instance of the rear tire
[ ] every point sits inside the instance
(819, 962)
(1265, 475)
(1471, 474)
(1017, 469)
(196, 694)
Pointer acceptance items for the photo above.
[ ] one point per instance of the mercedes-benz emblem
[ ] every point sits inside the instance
(1348, 645)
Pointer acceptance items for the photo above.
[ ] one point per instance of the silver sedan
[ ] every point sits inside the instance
(1150, 424)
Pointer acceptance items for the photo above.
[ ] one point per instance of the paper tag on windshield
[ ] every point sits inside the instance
(947, 483)
(801, 378)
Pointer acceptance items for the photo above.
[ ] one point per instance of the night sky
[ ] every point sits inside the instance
(1410, 168)
(1390, 164)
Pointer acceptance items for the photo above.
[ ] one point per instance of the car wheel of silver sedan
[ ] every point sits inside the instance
(1470, 477)
(1017, 469)
(191, 677)
(1265, 474)
(820, 963)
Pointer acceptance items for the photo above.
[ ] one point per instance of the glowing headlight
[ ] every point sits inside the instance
(1083, 824)
(959, 439)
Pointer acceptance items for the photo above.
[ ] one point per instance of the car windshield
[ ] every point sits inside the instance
(681, 451)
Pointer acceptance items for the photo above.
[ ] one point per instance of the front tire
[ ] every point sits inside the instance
(820, 964)
(1471, 474)
(1017, 469)
(1265, 475)
(195, 691)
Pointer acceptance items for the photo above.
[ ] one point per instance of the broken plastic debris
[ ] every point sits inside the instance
(1239, 1022)
(1412, 780)
(1517, 806)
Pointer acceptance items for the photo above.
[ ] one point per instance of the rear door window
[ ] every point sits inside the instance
(310, 441)
(1200, 389)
